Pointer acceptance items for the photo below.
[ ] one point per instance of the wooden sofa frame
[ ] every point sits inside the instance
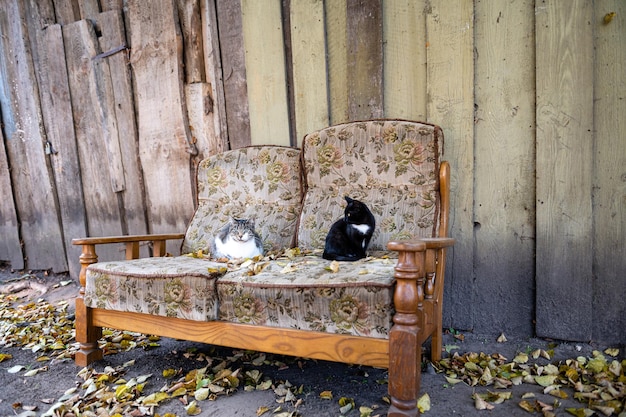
(418, 297)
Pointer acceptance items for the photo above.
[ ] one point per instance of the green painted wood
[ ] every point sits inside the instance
(365, 59)
(564, 170)
(450, 31)
(504, 180)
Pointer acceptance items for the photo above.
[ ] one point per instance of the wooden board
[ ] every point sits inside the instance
(309, 67)
(450, 31)
(265, 72)
(165, 145)
(101, 201)
(215, 101)
(609, 173)
(131, 198)
(504, 168)
(67, 11)
(34, 198)
(336, 48)
(10, 248)
(234, 69)
(564, 170)
(405, 58)
(57, 114)
(365, 59)
(193, 53)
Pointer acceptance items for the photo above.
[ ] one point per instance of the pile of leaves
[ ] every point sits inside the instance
(599, 382)
(48, 331)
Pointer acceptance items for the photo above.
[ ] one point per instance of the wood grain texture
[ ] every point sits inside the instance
(56, 107)
(132, 203)
(10, 248)
(193, 52)
(316, 345)
(67, 11)
(309, 67)
(165, 143)
(564, 170)
(404, 52)
(336, 49)
(214, 77)
(100, 198)
(504, 185)
(40, 232)
(234, 70)
(450, 31)
(365, 59)
(609, 172)
(265, 71)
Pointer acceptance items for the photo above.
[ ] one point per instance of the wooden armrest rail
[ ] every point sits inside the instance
(125, 239)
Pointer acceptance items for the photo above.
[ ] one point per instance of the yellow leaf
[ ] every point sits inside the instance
(502, 338)
(169, 373)
(481, 404)
(326, 395)
(262, 410)
(545, 380)
(193, 409)
(333, 267)
(580, 412)
(610, 351)
(5, 356)
(365, 411)
(423, 403)
(201, 394)
(521, 358)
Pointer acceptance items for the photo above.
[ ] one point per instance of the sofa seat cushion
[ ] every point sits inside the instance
(181, 286)
(305, 293)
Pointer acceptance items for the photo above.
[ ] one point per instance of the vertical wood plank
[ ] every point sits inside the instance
(164, 140)
(89, 9)
(450, 75)
(309, 67)
(25, 139)
(365, 59)
(10, 247)
(57, 113)
(132, 202)
(265, 70)
(234, 68)
(504, 168)
(213, 69)
(564, 169)
(101, 203)
(193, 53)
(405, 59)
(67, 11)
(609, 173)
(336, 47)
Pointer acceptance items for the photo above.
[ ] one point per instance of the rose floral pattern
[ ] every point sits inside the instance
(260, 182)
(181, 286)
(305, 292)
(391, 165)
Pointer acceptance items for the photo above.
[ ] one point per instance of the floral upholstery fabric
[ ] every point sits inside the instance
(306, 293)
(181, 286)
(260, 182)
(390, 165)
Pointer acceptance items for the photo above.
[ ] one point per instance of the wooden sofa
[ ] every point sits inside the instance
(377, 311)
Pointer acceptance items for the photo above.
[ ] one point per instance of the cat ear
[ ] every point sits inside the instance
(348, 199)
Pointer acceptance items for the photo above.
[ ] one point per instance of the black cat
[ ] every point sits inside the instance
(348, 238)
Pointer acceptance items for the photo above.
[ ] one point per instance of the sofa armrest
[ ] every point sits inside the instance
(88, 255)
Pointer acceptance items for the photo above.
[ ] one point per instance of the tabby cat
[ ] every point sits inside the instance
(237, 239)
(349, 237)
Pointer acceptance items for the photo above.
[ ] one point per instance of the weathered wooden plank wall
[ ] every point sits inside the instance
(530, 95)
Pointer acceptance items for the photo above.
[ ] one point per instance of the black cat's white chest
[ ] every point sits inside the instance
(361, 228)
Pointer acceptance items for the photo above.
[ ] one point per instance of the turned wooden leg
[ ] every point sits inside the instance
(87, 335)
(405, 350)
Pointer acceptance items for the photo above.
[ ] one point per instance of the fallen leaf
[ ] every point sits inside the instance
(423, 403)
(326, 395)
(502, 338)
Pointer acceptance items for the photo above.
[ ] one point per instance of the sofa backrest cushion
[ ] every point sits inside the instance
(260, 182)
(390, 165)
